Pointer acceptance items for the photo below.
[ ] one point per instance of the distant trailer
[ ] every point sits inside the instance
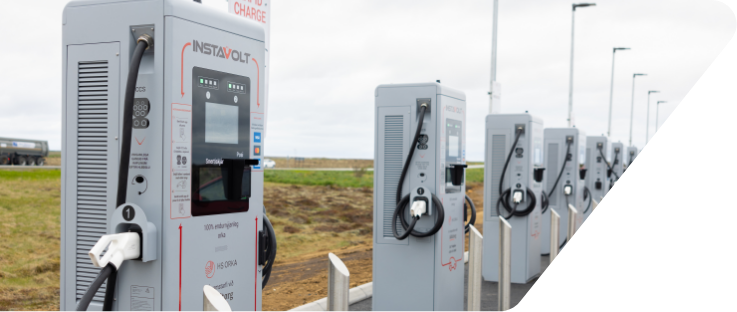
(22, 152)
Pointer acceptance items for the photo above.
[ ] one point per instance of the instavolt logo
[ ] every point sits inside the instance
(209, 161)
(220, 51)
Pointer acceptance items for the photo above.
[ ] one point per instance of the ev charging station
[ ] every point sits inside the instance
(163, 128)
(514, 174)
(596, 171)
(631, 155)
(564, 183)
(419, 162)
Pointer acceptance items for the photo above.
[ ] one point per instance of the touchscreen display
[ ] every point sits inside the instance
(221, 123)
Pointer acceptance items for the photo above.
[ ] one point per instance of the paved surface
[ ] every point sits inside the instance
(488, 293)
(28, 167)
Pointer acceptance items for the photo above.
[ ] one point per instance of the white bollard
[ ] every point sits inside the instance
(554, 234)
(475, 251)
(572, 217)
(594, 204)
(338, 284)
(212, 300)
(505, 264)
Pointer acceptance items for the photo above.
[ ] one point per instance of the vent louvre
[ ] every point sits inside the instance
(552, 153)
(393, 162)
(498, 157)
(92, 162)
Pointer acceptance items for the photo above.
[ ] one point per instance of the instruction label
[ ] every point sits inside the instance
(181, 164)
(142, 298)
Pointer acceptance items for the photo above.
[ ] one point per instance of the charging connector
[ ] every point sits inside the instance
(122, 246)
(419, 208)
(517, 196)
(567, 189)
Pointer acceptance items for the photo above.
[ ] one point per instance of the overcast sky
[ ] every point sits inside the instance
(327, 57)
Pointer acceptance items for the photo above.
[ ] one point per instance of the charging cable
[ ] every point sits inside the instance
(269, 250)
(601, 152)
(120, 247)
(518, 195)
(569, 156)
(473, 212)
(419, 207)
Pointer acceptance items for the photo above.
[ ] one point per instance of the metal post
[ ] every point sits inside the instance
(611, 95)
(212, 300)
(505, 265)
(632, 108)
(570, 82)
(572, 214)
(493, 55)
(554, 234)
(647, 123)
(338, 284)
(475, 251)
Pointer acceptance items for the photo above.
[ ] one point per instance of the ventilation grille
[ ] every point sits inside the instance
(498, 157)
(552, 174)
(393, 161)
(92, 157)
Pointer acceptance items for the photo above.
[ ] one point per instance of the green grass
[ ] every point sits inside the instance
(340, 178)
(475, 175)
(321, 178)
(29, 239)
(54, 154)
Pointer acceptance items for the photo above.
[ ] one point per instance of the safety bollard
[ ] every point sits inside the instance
(594, 204)
(554, 234)
(338, 284)
(572, 214)
(212, 300)
(475, 251)
(505, 264)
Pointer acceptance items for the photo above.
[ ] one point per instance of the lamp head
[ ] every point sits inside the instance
(582, 5)
(648, 92)
(621, 49)
(638, 74)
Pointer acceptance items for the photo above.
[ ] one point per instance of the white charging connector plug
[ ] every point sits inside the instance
(123, 246)
(567, 190)
(419, 208)
(517, 196)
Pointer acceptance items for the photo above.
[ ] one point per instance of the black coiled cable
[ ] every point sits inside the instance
(504, 195)
(473, 212)
(403, 202)
(270, 251)
(587, 193)
(601, 152)
(545, 200)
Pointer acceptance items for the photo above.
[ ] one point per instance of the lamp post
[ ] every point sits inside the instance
(657, 106)
(570, 84)
(493, 56)
(647, 123)
(611, 90)
(632, 109)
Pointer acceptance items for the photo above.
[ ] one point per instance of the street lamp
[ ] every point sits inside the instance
(632, 109)
(570, 85)
(647, 127)
(656, 114)
(493, 56)
(611, 90)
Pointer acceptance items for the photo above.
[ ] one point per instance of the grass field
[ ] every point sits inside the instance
(29, 239)
(313, 212)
